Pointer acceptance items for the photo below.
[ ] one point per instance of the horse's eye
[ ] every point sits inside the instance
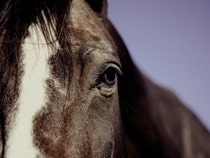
(107, 80)
(109, 76)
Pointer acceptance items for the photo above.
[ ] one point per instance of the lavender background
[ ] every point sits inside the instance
(170, 41)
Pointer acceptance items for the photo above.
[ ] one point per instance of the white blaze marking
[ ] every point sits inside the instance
(32, 95)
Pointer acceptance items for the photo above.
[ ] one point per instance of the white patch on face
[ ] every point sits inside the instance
(32, 95)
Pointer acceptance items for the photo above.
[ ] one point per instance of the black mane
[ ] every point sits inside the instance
(17, 15)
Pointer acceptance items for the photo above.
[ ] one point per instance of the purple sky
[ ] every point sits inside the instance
(170, 41)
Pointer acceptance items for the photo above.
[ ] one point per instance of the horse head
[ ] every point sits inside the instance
(70, 89)
(61, 94)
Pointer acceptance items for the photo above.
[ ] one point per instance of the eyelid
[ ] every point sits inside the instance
(113, 65)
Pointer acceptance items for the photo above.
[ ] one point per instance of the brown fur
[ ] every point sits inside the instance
(140, 119)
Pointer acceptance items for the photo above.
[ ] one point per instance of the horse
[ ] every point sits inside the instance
(69, 88)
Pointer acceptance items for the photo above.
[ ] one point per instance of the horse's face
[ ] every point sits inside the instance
(68, 97)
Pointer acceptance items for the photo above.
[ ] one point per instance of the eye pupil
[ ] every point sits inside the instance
(109, 76)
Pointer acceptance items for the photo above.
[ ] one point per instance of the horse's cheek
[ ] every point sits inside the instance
(48, 135)
(104, 126)
(84, 129)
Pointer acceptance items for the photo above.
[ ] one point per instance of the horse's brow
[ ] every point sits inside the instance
(105, 57)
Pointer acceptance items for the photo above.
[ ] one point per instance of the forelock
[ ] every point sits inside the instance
(17, 15)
